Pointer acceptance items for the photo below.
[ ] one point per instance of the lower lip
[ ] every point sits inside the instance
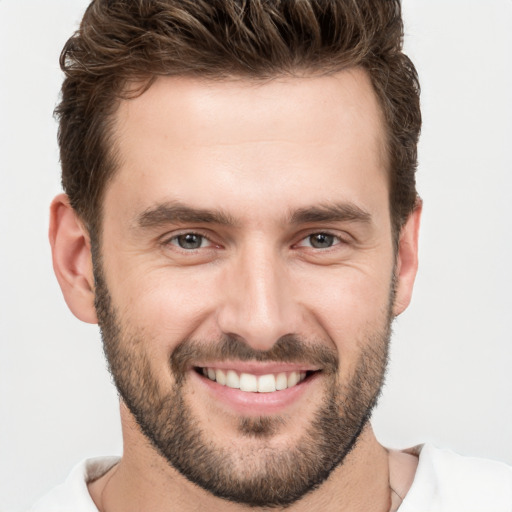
(255, 404)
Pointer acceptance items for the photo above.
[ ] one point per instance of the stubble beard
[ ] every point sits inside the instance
(262, 476)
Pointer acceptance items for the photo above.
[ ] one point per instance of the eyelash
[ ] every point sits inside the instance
(174, 240)
(337, 240)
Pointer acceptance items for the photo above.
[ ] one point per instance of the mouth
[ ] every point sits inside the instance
(254, 388)
(255, 383)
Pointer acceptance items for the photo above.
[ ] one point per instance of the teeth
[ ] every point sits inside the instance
(293, 379)
(252, 383)
(248, 382)
(232, 379)
(281, 381)
(266, 383)
(220, 377)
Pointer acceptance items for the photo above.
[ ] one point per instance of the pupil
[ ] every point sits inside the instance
(189, 241)
(321, 240)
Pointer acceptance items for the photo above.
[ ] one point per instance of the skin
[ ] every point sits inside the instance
(258, 153)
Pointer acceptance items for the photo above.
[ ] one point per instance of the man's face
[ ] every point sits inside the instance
(247, 242)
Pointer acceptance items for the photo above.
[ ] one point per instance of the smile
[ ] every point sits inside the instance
(251, 383)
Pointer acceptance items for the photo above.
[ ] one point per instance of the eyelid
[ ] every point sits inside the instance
(205, 242)
(169, 238)
(341, 239)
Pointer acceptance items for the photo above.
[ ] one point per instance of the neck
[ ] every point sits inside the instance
(143, 480)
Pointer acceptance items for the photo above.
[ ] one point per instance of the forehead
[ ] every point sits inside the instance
(198, 141)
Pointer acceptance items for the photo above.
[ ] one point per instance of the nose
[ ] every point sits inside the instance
(257, 303)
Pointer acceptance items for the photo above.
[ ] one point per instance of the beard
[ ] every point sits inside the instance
(259, 474)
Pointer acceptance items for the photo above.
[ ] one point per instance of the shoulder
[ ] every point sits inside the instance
(73, 493)
(446, 481)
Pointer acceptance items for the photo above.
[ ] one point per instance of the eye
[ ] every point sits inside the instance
(190, 241)
(320, 241)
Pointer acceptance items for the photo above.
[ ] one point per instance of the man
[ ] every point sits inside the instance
(241, 220)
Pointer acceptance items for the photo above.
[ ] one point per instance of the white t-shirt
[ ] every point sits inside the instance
(444, 482)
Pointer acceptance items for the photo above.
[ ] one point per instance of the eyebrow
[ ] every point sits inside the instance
(167, 213)
(336, 212)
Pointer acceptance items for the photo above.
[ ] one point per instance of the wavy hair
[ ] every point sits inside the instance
(122, 46)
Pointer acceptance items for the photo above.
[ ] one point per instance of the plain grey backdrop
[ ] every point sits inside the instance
(450, 375)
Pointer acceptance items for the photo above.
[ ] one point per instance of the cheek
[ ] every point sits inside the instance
(169, 305)
(349, 304)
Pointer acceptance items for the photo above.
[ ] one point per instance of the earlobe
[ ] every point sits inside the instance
(407, 260)
(72, 260)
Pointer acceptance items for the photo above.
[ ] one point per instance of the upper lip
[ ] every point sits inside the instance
(257, 368)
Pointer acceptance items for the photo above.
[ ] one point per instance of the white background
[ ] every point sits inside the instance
(450, 377)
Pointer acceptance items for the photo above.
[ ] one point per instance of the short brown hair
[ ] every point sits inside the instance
(125, 42)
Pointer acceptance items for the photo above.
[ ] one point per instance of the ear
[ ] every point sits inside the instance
(407, 260)
(72, 259)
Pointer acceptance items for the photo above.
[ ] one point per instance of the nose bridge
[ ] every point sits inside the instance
(258, 307)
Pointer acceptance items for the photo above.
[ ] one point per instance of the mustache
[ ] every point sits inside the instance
(287, 349)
